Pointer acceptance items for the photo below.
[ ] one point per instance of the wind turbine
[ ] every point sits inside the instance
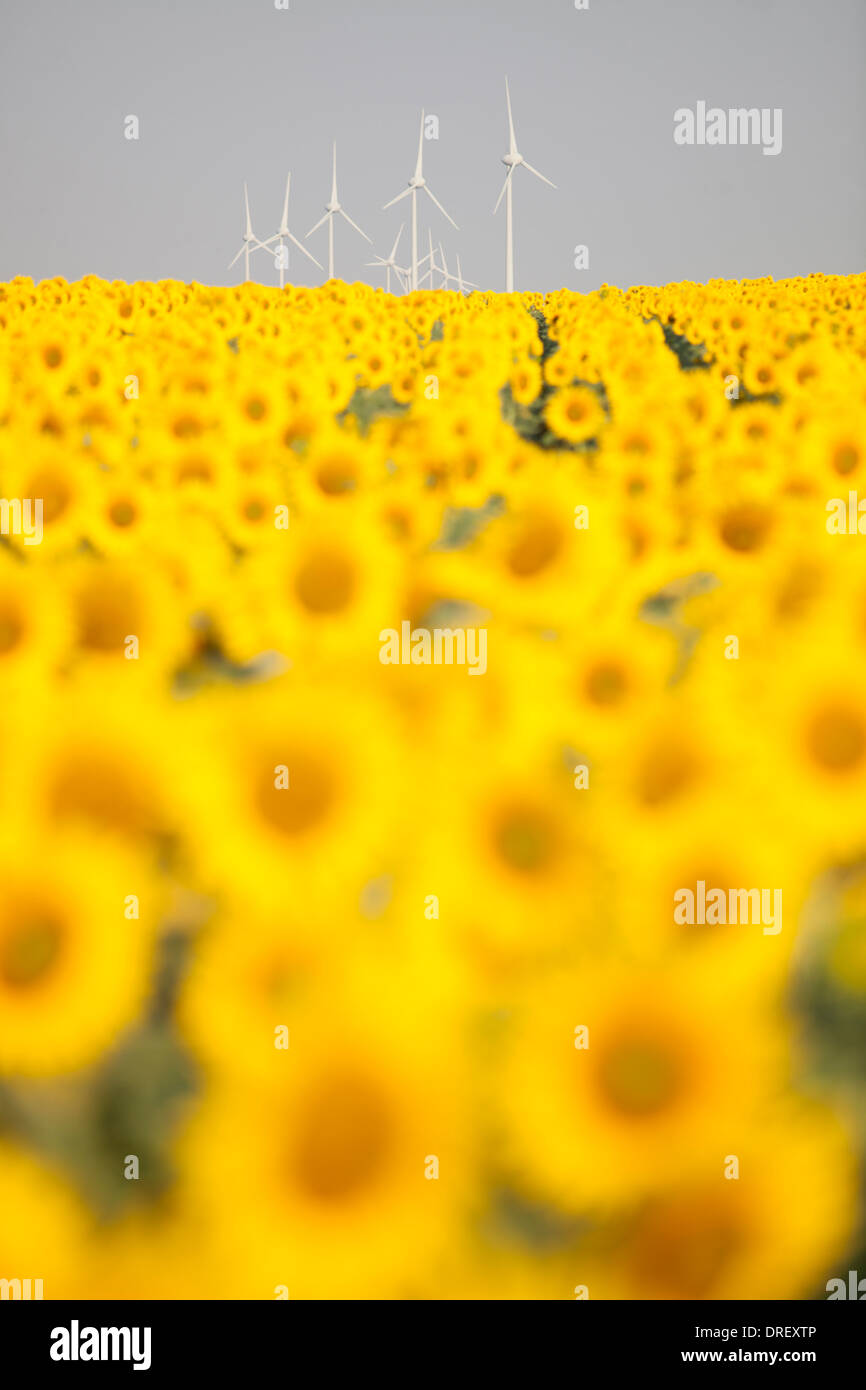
(461, 283)
(458, 278)
(283, 231)
(511, 161)
(418, 181)
(431, 257)
(331, 210)
(390, 262)
(250, 240)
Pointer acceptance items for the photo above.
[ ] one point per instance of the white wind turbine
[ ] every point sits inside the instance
(390, 263)
(456, 279)
(461, 283)
(511, 161)
(418, 181)
(283, 231)
(250, 240)
(430, 261)
(331, 210)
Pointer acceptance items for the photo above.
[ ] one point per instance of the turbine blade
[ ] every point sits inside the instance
(285, 222)
(441, 209)
(404, 194)
(418, 166)
(396, 242)
(320, 223)
(355, 225)
(543, 177)
(511, 169)
(237, 257)
(334, 198)
(249, 229)
(512, 143)
(308, 254)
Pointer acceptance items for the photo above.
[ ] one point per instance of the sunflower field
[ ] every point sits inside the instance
(332, 970)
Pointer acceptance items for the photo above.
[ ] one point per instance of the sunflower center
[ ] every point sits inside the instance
(122, 513)
(535, 548)
(836, 739)
(325, 582)
(342, 1140)
(106, 793)
(745, 528)
(28, 951)
(665, 773)
(638, 1077)
(685, 1245)
(305, 802)
(11, 631)
(105, 619)
(54, 493)
(846, 458)
(336, 477)
(524, 839)
(606, 683)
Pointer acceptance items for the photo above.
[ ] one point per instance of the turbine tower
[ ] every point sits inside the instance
(418, 181)
(283, 231)
(250, 240)
(511, 161)
(331, 210)
(390, 262)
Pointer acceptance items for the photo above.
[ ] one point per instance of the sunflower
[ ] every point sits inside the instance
(298, 799)
(102, 760)
(776, 1230)
(575, 414)
(123, 517)
(126, 617)
(64, 487)
(607, 677)
(614, 1082)
(34, 622)
(74, 966)
(356, 1142)
(525, 382)
(45, 1229)
(511, 848)
(548, 559)
(248, 976)
(817, 740)
(329, 588)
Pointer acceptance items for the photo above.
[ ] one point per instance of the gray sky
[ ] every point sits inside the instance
(227, 90)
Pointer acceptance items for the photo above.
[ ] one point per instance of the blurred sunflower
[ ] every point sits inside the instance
(74, 960)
